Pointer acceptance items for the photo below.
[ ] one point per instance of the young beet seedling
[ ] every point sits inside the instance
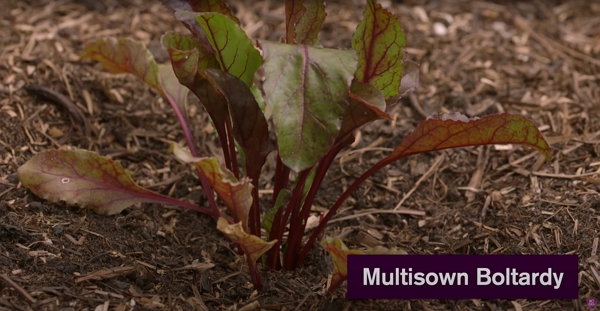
(317, 98)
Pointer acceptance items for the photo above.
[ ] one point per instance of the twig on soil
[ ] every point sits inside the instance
(480, 225)
(404, 211)
(18, 288)
(429, 172)
(564, 176)
(63, 101)
(475, 182)
(105, 274)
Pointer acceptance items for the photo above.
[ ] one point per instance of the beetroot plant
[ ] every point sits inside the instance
(317, 97)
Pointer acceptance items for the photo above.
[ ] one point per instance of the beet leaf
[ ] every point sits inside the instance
(446, 131)
(454, 130)
(304, 19)
(339, 254)
(187, 54)
(306, 89)
(366, 105)
(379, 41)
(232, 47)
(236, 195)
(89, 180)
(253, 246)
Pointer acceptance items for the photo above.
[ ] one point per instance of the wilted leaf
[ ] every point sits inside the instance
(85, 178)
(339, 254)
(306, 89)
(366, 104)
(379, 41)
(233, 49)
(456, 130)
(235, 194)
(304, 19)
(253, 246)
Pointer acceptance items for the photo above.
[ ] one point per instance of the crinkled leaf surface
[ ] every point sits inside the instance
(379, 41)
(306, 89)
(304, 19)
(456, 130)
(233, 49)
(366, 104)
(200, 6)
(339, 254)
(235, 194)
(85, 178)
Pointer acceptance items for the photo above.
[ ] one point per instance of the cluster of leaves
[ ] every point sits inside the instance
(316, 97)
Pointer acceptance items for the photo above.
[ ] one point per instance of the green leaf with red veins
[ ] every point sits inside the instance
(201, 6)
(236, 195)
(85, 178)
(379, 41)
(233, 49)
(253, 246)
(366, 104)
(306, 89)
(339, 254)
(250, 128)
(455, 130)
(304, 19)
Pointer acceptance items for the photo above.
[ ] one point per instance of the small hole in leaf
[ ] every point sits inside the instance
(65, 180)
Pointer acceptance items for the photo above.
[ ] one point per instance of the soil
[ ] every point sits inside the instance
(539, 58)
